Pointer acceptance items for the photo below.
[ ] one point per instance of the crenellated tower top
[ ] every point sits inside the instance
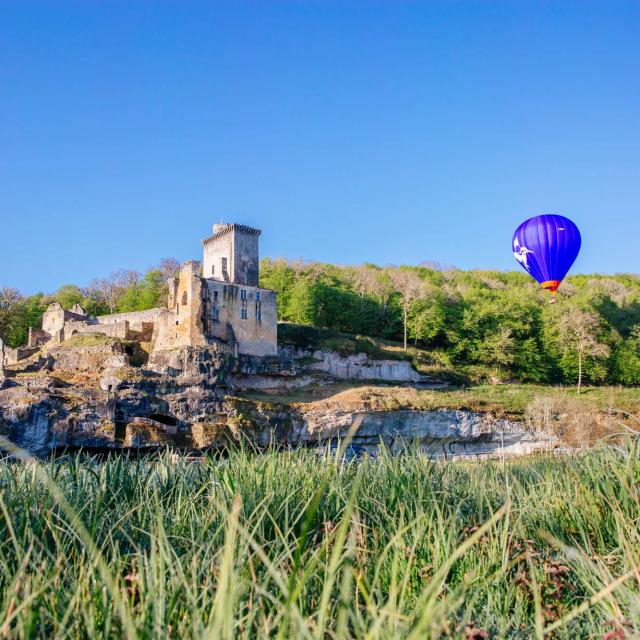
(232, 254)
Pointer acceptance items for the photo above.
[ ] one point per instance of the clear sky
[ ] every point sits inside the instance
(388, 132)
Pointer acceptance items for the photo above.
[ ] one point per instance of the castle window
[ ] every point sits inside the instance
(243, 313)
(184, 298)
(224, 265)
(257, 296)
(213, 269)
(215, 314)
(258, 312)
(243, 294)
(215, 296)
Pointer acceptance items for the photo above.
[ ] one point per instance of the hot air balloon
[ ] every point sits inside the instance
(546, 247)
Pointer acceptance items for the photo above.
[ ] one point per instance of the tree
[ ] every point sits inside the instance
(427, 319)
(9, 298)
(109, 289)
(68, 295)
(498, 349)
(364, 280)
(169, 268)
(410, 286)
(301, 302)
(579, 331)
(17, 314)
(626, 366)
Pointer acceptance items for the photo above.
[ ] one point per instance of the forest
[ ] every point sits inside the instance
(493, 325)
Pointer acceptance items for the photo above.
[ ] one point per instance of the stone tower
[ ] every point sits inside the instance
(231, 254)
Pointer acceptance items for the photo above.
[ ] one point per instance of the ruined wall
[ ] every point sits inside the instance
(181, 324)
(250, 311)
(13, 356)
(136, 319)
(37, 337)
(53, 321)
(55, 318)
(114, 329)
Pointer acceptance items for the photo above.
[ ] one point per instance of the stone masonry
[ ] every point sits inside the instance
(222, 305)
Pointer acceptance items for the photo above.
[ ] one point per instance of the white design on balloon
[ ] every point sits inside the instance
(520, 253)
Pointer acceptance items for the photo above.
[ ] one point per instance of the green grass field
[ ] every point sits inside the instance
(284, 545)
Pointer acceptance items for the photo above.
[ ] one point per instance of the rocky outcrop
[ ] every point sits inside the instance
(24, 417)
(89, 358)
(297, 368)
(142, 434)
(80, 397)
(206, 364)
(208, 434)
(440, 432)
(361, 367)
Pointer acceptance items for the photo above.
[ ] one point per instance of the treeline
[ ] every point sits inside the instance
(495, 325)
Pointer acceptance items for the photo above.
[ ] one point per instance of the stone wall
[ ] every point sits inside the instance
(246, 262)
(136, 319)
(37, 337)
(55, 318)
(53, 321)
(250, 312)
(90, 359)
(217, 258)
(13, 356)
(114, 329)
(236, 246)
(181, 324)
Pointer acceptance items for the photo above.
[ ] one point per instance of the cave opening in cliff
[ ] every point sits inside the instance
(170, 421)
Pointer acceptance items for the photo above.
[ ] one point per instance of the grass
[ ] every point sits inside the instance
(284, 546)
(508, 400)
(513, 399)
(89, 340)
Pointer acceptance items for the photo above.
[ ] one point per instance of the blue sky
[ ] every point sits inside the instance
(388, 132)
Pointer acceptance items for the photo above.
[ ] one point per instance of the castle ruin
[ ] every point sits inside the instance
(221, 304)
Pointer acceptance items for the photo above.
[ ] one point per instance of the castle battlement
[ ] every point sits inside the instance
(222, 229)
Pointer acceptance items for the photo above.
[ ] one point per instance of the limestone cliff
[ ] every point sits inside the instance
(87, 393)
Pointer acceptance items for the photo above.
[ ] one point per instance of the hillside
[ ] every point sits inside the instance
(466, 325)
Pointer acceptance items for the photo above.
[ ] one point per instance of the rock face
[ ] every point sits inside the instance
(90, 358)
(139, 435)
(441, 433)
(296, 368)
(25, 417)
(90, 396)
(360, 367)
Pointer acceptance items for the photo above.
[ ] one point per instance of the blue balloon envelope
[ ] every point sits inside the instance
(546, 247)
